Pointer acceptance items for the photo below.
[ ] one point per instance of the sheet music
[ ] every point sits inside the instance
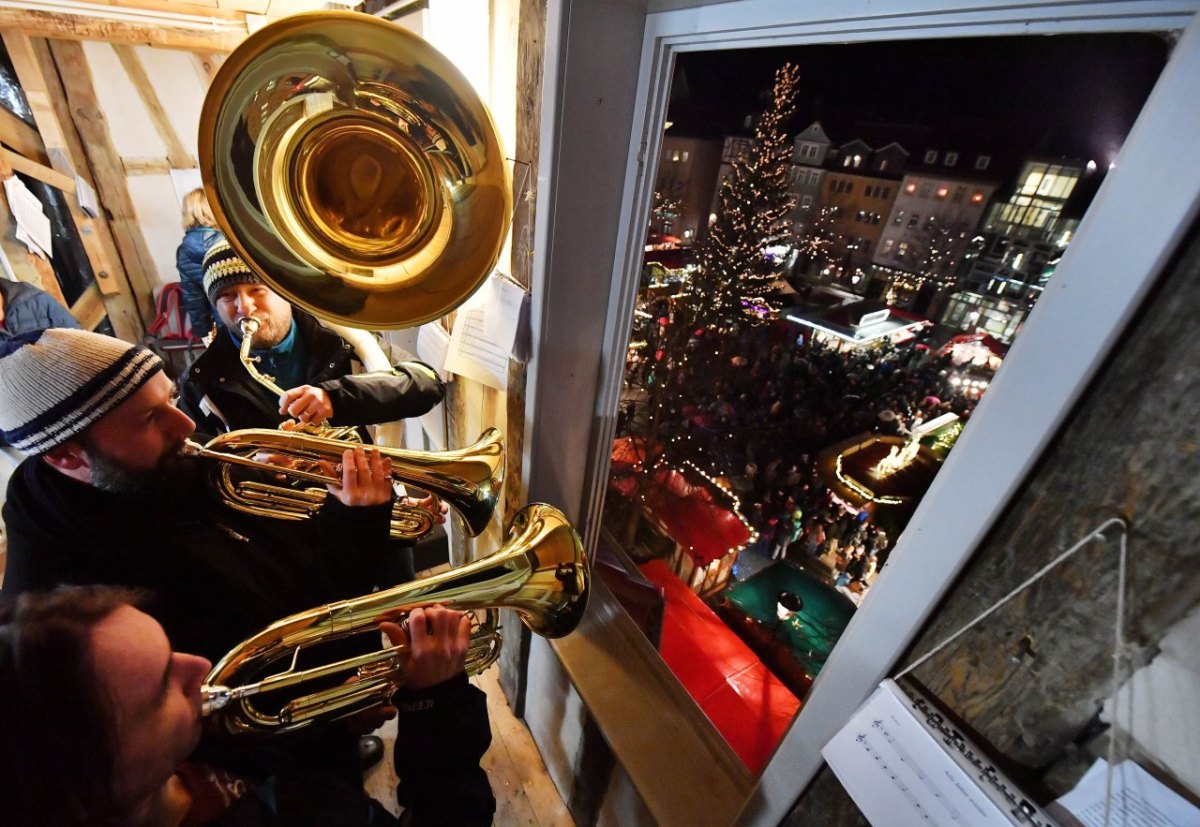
(472, 352)
(33, 226)
(432, 344)
(1138, 799)
(906, 767)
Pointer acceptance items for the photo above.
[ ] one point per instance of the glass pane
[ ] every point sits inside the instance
(806, 348)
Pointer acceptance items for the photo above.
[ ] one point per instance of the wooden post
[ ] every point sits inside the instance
(109, 174)
(78, 27)
(531, 44)
(63, 151)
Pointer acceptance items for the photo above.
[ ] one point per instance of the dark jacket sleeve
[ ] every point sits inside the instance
(30, 308)
(359, 549)
(411, 389)
(304, 799)
(442, 734)
(56, 314)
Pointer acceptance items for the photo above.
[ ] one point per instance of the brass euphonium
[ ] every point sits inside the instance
(541, 572)
(468, 479)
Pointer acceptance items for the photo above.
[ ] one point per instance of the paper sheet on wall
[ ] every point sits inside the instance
(33, 227)
(503, 312)
(473, 353)
(1138, 799)
(89, 202)
(432, 343)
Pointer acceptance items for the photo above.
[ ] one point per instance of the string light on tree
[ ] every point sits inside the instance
(753, 204)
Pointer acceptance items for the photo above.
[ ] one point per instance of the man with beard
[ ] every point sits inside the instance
(108, 498)
(313, 364)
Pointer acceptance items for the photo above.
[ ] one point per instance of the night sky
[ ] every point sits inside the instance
(1063, 95)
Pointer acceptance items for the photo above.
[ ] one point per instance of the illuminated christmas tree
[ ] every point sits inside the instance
(751, 216)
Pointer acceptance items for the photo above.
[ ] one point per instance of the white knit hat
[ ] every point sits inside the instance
(55, 383)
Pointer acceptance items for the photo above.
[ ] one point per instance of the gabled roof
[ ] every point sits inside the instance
(857, 142)
(815, 132)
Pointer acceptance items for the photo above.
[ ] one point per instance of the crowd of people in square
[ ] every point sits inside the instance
(756, 406)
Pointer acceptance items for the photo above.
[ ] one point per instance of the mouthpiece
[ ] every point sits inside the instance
(213, 698)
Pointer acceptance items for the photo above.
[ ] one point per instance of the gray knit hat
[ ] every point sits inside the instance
(55, 383)
(223, 267)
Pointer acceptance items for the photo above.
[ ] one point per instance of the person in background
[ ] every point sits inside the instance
(199, 233)
(24, 307)
(100, 718)
(313, 364)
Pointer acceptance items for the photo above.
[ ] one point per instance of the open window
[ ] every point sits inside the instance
(597, 214)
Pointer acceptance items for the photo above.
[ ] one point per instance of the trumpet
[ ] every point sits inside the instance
(541, 571)
(468, 479)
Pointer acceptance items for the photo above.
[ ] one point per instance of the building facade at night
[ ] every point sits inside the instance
(1022, 239)
(933, 218)
(687, 175)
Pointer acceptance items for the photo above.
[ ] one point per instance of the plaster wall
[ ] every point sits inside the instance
(180, 88)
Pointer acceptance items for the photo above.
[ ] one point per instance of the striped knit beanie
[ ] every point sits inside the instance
(223, 267)
(55, 383)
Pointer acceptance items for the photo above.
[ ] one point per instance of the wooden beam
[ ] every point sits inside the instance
(148, 166)
(199, 9)
(105, 163)
(89, 308)
(39, 79)
(27, 266)
(177, 154)
(207, 66)
(57, 25)
(94, 233)
(22, 137)
(41, 172)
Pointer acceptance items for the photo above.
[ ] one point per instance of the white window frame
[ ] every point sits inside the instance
(575, 374)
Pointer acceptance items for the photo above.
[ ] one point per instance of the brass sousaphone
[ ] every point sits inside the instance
(355, 170)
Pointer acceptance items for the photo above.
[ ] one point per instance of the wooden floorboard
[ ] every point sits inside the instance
(525, 795)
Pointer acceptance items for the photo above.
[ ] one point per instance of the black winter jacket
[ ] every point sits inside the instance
(234, 400)
(442, 733)
(214, 575)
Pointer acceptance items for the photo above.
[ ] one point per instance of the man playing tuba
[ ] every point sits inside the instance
(314, 364)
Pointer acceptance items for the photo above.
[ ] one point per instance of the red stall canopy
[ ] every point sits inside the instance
(746, 703)
(693, 519)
